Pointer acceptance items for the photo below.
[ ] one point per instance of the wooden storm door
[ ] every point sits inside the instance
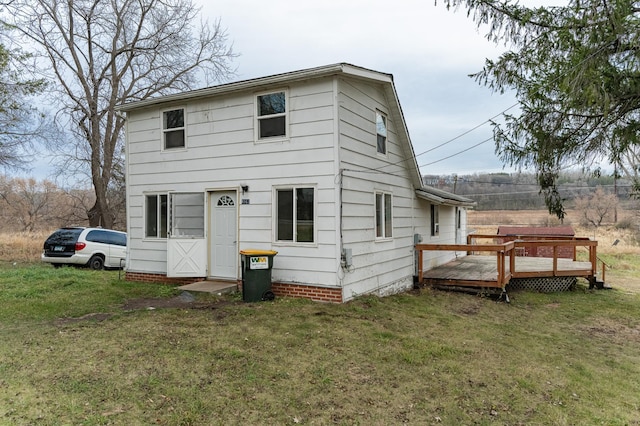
(186, 242)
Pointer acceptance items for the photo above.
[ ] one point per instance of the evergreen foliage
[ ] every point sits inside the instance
(575, 72)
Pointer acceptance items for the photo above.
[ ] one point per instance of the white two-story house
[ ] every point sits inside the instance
(315, 164)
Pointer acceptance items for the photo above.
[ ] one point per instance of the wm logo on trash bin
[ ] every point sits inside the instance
(261, 262)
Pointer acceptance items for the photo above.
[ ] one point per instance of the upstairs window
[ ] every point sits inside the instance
(435, 220)
(384, 217)
(295, 215)
(272, 115)
(381, 130)
(173, 128)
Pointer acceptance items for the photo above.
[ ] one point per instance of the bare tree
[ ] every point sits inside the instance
(629, 163)
(105, 53)
(597, 207)
(27, 202)
(20, 122)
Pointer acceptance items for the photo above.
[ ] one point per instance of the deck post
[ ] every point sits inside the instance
(500, 265)
(419, 265)
(555, 260)
(512, 260)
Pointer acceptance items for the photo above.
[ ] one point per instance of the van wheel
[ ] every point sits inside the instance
(96, 263)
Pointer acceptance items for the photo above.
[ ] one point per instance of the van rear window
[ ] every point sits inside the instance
(65, 235)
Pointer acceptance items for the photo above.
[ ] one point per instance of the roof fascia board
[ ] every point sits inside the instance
(421, 193)
(256, 83)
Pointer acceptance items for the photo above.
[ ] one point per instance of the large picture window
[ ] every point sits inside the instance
(272, 115)
(295, 215)
(384, 216)
(173, 128)
(155, 216)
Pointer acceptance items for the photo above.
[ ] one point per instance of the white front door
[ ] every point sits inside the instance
(223, 240)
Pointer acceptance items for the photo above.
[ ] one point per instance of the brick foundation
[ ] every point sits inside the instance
(318, 294)
(159, 278)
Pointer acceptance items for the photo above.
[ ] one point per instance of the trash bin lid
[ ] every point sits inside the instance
(258, 252)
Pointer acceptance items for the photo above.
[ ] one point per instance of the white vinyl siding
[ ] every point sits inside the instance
(222, 154)
(381, 260)
(331, 145)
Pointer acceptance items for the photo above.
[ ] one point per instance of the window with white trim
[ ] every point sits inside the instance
(381, 131)
(155, 218)
(173, 128)
(271, 115)
(435, 220)
(295, 215)
(384, 216)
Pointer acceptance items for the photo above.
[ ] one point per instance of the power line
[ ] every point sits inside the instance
(457, 153)
(482, 124)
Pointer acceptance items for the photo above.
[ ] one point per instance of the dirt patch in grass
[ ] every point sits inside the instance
(612, 331)
(183, 301)
(98, 316)
(178, 302)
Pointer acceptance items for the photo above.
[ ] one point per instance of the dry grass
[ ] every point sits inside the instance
(487, 222)
(617, 247)
(22, 247)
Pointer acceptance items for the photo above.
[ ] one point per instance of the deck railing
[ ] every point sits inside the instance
(501, 252)
(519, 244)
(605, 265)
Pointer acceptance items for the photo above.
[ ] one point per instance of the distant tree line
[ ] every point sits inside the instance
(28, 205)
(521, 191)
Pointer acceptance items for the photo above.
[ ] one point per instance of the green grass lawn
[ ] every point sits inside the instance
(70, 354)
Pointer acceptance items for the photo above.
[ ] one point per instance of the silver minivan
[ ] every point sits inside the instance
(96, 248)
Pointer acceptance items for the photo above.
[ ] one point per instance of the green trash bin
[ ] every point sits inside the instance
(256, 275)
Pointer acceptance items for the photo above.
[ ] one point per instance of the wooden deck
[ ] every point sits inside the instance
(500, 262)
(482, 271)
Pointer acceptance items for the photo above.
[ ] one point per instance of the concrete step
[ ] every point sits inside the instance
(210, 286)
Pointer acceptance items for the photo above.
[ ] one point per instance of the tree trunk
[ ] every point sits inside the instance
(100, 214)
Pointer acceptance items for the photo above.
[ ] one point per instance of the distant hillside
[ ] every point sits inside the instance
(520, 191)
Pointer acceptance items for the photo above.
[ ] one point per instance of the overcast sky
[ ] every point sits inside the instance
(429, 50)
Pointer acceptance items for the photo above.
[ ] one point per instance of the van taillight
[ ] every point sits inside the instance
(80, 246)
